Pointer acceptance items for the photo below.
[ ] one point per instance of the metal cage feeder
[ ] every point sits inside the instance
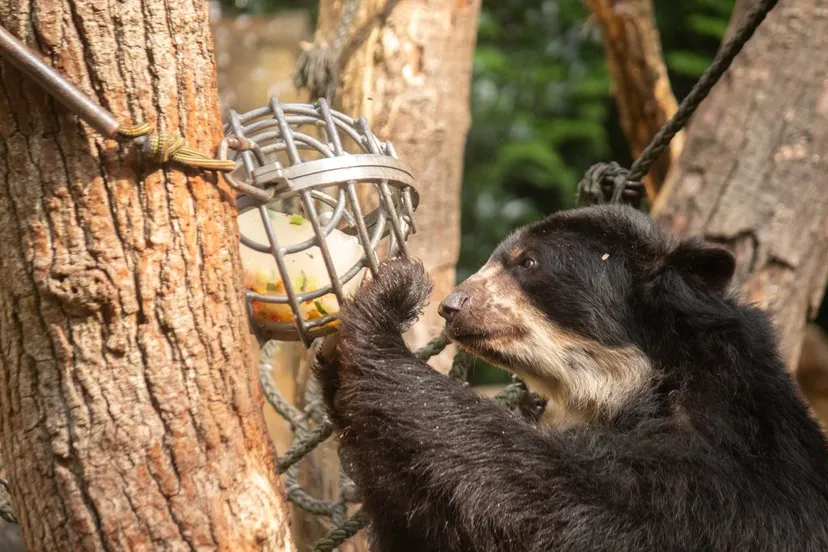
(306, 163)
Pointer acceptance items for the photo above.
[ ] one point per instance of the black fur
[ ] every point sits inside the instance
(719, 454)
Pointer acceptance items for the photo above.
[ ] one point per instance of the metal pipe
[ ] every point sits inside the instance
(30, 63)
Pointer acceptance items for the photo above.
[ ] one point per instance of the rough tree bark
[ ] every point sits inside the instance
(812, 371)
(640, 85)
(752, 172)
(131, 415)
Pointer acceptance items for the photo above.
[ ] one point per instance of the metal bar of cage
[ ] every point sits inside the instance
(323, 246)
(283, 163)
(368, 252)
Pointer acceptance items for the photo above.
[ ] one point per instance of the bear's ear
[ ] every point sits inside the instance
(712, 265)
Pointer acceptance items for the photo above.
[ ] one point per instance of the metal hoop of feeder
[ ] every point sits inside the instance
(308, 172)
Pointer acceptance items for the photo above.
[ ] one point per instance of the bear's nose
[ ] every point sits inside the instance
(452, 304)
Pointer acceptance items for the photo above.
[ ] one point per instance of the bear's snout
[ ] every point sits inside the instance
(453, 304)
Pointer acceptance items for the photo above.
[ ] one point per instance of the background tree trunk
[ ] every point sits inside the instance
(640, 85)
(131, 414)
(812, 371)
(752, 172)
(407, 70)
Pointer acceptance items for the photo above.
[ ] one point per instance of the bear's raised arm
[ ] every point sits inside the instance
(441, 468)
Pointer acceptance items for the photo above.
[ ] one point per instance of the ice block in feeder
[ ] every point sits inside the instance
(306, 269)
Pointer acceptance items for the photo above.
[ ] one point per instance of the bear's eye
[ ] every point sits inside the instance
(528, 262)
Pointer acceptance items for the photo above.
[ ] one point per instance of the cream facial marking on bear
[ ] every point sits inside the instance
(578, 373)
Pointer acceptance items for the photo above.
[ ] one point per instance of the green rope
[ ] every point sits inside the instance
(342, 533)
(433, 348)
(162, 148)
(461, 366)
(302, 446)
(6, 511)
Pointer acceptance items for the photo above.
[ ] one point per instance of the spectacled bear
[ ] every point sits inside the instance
(686, 432)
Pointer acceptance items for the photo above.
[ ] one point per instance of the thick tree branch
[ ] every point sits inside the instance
(640, 84)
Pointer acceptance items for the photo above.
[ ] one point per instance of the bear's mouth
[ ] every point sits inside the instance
(484, 347)
(464, 335)
(480, 340)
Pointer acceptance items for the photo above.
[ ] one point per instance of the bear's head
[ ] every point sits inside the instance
(573, 303)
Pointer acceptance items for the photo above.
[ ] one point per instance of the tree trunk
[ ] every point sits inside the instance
(641, 87)
(131, 414)
(407, 70)
(812, 371)
(752, 173)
